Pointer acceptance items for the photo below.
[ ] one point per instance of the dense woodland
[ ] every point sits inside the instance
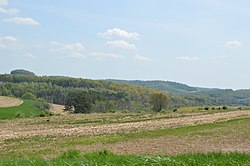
(113, 95)
(197, 95)
(108, 96)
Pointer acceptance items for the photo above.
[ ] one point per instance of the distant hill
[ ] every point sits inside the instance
(197, 95)
(22, 72)
(167, 86)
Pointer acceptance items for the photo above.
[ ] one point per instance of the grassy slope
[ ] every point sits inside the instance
(26, 109)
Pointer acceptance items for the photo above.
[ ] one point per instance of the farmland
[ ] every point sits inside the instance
(127, 135)
(12, 108)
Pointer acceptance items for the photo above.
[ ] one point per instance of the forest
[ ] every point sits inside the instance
(113, 95)
(197, 95)
(108, 96)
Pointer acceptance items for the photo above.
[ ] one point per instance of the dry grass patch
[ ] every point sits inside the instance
(9, 102)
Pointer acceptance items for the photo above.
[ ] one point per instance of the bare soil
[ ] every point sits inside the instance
(58, 109)
(19, 128)
(9, 102)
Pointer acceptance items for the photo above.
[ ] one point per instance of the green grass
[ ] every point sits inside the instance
(104, 157)
(26, 109)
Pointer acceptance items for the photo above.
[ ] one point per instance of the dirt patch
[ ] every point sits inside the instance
(19, 129)
(58, 109)
(9, 102)
(173, 145)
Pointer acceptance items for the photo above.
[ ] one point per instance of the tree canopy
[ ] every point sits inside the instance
(159, 101)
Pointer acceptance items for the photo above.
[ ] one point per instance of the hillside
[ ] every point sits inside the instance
(168, 86)
(197, 95)
(111, 96)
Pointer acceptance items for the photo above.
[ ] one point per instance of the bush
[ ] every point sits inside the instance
(163, 111)
(124, 111)
(29, 96)
(225, 108)
(111, 111)
(206, 108)
(45, 113)
(20, 115)
(42, 104)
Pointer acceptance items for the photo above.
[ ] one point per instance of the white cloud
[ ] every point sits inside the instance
(99, 55)
(12, 11)
(22, 20)
(233, 44)
(8, 39)
(121, 44)
(188, 58)
(72, 50)
(3, 2)
(141, 58)
(2, 46)
(116, 32)
(28, 55)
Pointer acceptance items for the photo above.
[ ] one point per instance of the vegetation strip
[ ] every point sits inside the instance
(104, 157)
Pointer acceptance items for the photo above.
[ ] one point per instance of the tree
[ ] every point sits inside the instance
(29, 96)
(80, 101)
(159, 101)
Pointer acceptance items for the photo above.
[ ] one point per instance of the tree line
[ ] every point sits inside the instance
(93, 95)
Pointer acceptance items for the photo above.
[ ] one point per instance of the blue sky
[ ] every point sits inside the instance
(198, 42)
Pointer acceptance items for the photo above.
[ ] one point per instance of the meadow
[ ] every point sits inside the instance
(26, 109)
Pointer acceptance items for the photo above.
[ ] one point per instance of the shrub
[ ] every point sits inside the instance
(19, 115)
(225, 108)
(45, 113)
(163, 111)
(29, 96)
(111, 111)
(124, 111)
(206, 108)
(42, 104)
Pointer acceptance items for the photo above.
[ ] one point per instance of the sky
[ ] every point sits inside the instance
(203, 43)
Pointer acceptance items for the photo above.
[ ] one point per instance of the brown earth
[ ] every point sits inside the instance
(24, 127)
(58, 109)
(9, 102)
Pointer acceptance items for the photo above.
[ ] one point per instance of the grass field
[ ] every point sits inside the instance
(26, 109)
(104, 157)
(180, 138)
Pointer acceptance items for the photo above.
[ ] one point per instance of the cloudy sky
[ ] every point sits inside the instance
(198, 42)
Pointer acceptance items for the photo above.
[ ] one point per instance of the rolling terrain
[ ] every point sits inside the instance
(28, 135)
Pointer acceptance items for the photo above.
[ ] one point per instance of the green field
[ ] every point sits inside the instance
(104, 157)
(26, 109)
